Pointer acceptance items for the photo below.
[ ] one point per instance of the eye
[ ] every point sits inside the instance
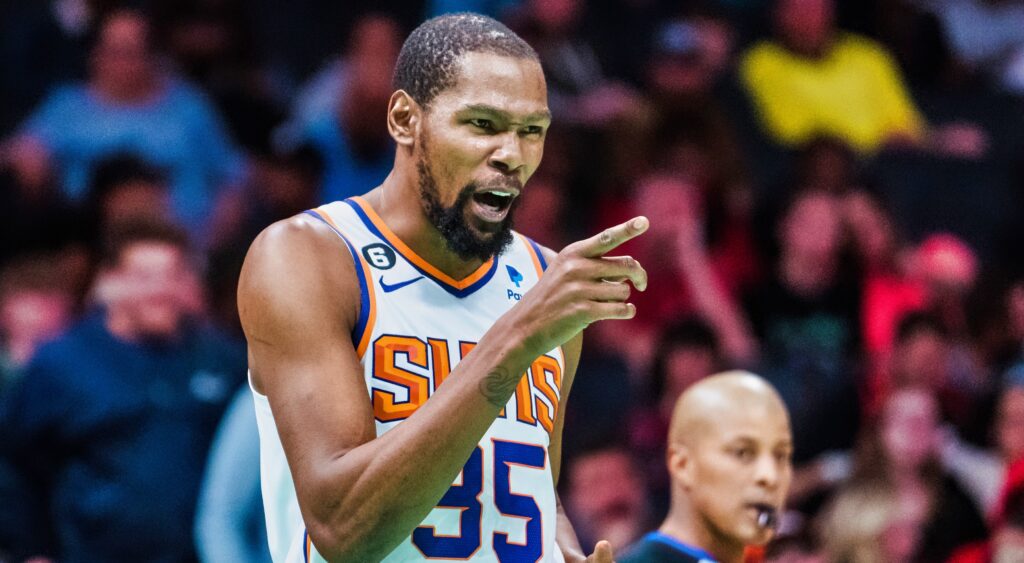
(532, 131)
(744, 453)
(484, 124)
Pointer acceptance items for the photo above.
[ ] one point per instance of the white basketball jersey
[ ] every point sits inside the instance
(415, 324)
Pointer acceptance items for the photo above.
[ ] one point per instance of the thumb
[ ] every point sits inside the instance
(602, 553)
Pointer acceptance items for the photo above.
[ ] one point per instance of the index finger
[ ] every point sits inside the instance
(606, 241)
(603, 553)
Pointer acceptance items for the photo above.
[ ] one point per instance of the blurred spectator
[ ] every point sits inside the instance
(695, 138)
(604, 497)
(230, 524)
(949, 269)
(28, 200)
(983, 472)
(690, 130)
(214, 45)
(131, 104)
(986, 35)
(580, 92)
(890, 291)
(926, 356)
(41, 44)
(280, 185)
(687, 351)
(816, 81)
(541, 214)
(687, 275)
(857, 524)
(110, 424)
(124, 189)
(1010, 416)
(933, 516)
(807, 318)
(341, 111)
(1006, 543)
(36, 305)
(827, 164)
(979, 472)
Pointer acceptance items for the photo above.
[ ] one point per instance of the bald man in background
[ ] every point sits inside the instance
(729, 459)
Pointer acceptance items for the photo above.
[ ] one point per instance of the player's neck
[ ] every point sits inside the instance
(397, 202)
(690, 529)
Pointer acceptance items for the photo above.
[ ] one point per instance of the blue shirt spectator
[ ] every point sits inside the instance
(230, 525)
(330, 114)
(109, 427)
(345, 174)
(130, 105)
(177, 130)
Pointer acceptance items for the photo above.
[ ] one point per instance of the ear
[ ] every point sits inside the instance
(404, 118)
(680, 465)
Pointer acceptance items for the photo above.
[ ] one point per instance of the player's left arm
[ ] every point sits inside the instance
(565, 535)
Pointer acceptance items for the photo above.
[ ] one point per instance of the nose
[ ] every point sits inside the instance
(507, 157)
(768, 471)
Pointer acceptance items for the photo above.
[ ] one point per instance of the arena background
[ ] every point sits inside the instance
(835, 193)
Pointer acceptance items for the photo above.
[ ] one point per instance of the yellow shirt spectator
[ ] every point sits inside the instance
(854, 92)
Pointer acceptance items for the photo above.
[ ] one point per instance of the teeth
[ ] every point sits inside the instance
(500, 193)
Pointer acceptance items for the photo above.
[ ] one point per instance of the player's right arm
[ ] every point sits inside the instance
(360, 495)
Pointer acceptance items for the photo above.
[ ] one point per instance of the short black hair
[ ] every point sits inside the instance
(428, 62)
(120, 169)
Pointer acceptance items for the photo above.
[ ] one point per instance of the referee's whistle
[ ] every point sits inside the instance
(767, 518)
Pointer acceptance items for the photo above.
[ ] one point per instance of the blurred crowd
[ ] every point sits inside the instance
(836, 200)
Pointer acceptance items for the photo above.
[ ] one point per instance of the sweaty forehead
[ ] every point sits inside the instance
(511, 84)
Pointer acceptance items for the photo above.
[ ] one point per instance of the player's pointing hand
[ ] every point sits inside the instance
(607, 240)
(582, 285)
(602, 553)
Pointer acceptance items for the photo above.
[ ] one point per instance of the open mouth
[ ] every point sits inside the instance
(493, 204)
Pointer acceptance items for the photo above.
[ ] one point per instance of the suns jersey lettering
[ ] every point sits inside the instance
(415, 325)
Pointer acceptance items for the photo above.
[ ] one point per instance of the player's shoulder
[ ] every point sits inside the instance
(298, 238)
(298, 259)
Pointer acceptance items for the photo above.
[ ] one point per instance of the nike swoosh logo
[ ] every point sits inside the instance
(394, 287)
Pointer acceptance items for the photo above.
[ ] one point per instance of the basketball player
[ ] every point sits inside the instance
(729, 459)
(410, 355)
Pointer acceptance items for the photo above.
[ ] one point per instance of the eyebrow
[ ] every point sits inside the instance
(544, 115)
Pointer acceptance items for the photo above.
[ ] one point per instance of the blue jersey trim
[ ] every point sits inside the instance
(364, 288)
(540, 253)
(460, 293)
(686, 548)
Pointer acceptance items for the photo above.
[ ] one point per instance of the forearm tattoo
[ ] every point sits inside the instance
(498, 386)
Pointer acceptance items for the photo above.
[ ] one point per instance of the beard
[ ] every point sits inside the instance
(451, 222)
